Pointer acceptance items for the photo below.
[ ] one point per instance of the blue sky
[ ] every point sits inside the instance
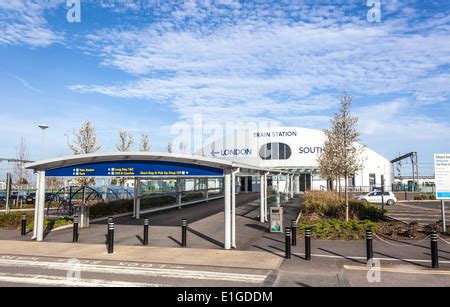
(146, 65)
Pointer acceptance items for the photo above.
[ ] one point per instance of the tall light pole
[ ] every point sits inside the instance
(43, 128)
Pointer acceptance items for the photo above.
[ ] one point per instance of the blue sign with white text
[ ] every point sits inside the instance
(134, 169)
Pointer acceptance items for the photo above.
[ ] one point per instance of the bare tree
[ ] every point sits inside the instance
(85, 143)
(145, 142)
(170, 147)
(341, 152)
(126, 141)
(85, 140)
(21, 175)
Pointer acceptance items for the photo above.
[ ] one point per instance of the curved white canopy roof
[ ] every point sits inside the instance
(143, 156)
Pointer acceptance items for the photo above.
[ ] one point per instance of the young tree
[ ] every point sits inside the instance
(145, 142)
(341, 151)
(85, 143)
(85, 140)
(126, 141)
(21, 175)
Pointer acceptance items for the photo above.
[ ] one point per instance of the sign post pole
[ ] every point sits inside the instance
(442, 176)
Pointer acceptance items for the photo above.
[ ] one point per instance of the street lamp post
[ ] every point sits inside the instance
(43, 128)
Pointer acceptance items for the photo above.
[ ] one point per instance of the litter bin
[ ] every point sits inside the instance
(83, 214)
(276, 219)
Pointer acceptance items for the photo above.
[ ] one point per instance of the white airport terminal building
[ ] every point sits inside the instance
(295, 150)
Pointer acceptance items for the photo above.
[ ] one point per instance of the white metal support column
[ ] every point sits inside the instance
(227, 192)
(278, 191)
(233, 208)
(135, 196)
(291, 177)
(261, 199)
(178, 189)
(297, 184)
(265, 197)
(36, 207)
(40, 205)
(207, 189)
(138, 198)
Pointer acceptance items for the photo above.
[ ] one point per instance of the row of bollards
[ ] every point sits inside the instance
(291, 240)
(145, 241)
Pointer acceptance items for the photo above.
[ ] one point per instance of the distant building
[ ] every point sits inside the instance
(2, 185)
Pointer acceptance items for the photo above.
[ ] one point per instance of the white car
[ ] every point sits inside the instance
(375, 197)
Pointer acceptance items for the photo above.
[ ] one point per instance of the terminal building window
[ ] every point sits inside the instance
(275, 151)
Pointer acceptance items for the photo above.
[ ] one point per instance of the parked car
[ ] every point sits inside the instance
(2, 198)
(31, 198)
(18, 196)
(375, 197)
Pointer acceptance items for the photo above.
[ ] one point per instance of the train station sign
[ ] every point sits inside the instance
(442, 175)
(135, 169)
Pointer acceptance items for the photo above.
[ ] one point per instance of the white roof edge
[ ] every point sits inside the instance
(118, 156)
(123, 156)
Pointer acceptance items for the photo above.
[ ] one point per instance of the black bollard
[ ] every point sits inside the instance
(434, 251)
(24, 225)
(294, 232)
(369, 244)
(75, 229)
(146, 232)
(183, 232)
(288, 243)
(308, 244)
(110, 238)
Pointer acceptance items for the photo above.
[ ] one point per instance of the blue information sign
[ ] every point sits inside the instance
(134, 169)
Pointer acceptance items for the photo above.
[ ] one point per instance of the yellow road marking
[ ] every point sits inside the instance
(394, 270)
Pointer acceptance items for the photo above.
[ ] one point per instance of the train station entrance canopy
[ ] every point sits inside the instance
(140, 166)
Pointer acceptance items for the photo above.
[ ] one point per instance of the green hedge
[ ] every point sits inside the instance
(111, 208)
(14, 219)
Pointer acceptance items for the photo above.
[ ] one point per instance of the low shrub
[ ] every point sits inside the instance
(14, 219)
(334, 229)
(328, 205)
(425, 197)
(100, 210)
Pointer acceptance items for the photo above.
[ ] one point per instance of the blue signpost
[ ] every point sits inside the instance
(135, 169)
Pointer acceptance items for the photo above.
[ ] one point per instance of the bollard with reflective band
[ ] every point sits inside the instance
(23, 231)
(308, 244)
(75, 229)
(146, 232)
(294, 232)
(110, 238)
(369, 244)
(434, 250)
(287, 235)
(184, 232)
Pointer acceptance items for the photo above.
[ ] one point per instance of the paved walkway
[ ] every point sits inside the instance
(185, 256)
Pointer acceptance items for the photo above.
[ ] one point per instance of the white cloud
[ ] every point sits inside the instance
(23, 22)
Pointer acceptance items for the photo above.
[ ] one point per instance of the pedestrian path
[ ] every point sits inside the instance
(185, 256)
